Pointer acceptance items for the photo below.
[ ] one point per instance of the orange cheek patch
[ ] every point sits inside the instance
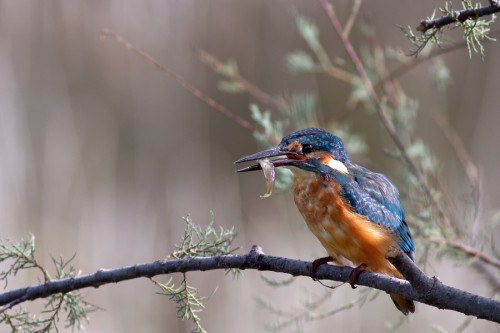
(327, 159)
(294, 146)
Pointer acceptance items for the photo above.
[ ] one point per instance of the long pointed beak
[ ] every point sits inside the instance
(271, 152)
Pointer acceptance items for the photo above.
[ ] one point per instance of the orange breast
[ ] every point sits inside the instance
(342, 232)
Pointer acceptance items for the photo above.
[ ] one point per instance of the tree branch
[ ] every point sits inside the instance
(459, 16)
(384, 118)
(420, 287)
(215, 64)
(468, 250)
(431, 291)
(182, 82)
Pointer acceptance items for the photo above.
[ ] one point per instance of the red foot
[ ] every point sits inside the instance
(354, 276)
(318, 262)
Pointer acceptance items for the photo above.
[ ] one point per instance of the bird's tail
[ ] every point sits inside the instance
(404, 305)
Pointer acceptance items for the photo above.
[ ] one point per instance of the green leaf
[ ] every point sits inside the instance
(230, 87)
(299, 62)
(304, 108)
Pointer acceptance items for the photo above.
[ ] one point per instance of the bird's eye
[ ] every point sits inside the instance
(307, 148)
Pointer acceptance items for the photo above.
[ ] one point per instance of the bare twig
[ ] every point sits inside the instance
(386, 122)
(471, 170)
(352, 17)
(215, 64)
(182, 81)
(408, 66)
(459, 16)
(467, 249)
(420, 287)
(455, 141)
(489, 274)
(339, 73)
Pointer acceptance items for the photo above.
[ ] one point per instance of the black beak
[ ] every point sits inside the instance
(272, 152)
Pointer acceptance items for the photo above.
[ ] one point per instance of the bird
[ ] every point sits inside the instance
(355, 213)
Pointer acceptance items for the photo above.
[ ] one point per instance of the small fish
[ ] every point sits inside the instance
(268, 170)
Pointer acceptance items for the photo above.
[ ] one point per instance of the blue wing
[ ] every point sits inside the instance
(374, 196)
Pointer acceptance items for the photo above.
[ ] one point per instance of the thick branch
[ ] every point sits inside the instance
(430, 290)
(459, 16)
(422, 288)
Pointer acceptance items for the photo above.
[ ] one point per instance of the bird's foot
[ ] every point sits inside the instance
(318, 262)
(354, 276)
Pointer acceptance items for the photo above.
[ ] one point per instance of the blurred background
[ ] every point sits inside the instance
(101, 154)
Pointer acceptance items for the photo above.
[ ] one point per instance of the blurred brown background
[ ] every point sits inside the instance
(101, 154)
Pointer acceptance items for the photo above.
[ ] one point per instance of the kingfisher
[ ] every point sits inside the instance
(355, 213)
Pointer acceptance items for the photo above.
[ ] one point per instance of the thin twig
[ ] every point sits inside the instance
(489, 273)
(457, 144)
(305, 314)
(386, 122)
(459, 16)
(215, 64)
(470, 169)
(352, 17)
(182, 81)
(340, 74)
(407, 66)
(467, 249)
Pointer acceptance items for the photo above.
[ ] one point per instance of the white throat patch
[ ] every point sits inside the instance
(337, 165)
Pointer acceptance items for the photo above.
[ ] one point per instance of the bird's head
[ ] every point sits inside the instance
(301, 149)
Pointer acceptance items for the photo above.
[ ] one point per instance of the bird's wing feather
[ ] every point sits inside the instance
(374, 196)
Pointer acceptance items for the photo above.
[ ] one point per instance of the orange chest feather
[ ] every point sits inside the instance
(341, 231)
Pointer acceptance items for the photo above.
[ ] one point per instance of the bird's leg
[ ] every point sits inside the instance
(354, 276)
(318, 262)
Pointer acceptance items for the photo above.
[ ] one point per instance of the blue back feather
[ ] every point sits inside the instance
(374, 196)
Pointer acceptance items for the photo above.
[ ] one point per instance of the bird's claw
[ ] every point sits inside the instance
(354, 276)
(318, 262)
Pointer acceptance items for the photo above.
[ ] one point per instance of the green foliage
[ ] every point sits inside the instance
(197, 241)
(422, 155)
(308, 30)
(300, 62)
(271, 129)
(73, 304)
(440, 75)
(421, 40)
(429, 205)
(354, 143)
(21, 255)
(189, 304)
(359, 95)
(228, 70)
(476, 30)
(304, 108)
